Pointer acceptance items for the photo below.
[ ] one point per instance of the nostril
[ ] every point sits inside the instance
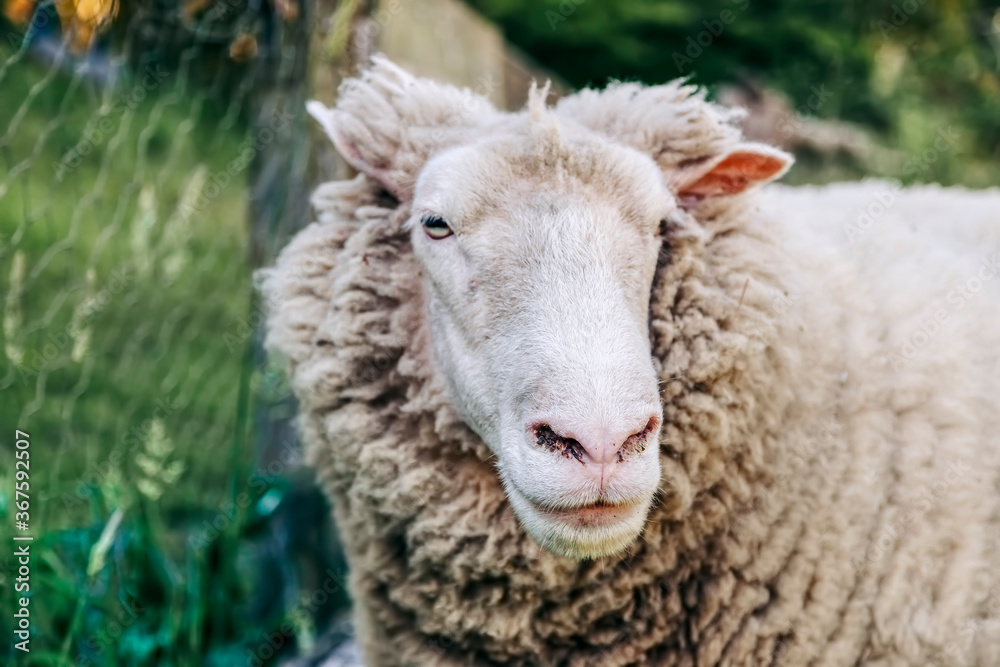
(552, 441)
(598, 445)
(636, 443)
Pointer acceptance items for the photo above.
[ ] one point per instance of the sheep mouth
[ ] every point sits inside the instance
(601, 527)
(600, 513)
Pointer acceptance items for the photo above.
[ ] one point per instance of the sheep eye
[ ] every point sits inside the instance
(436, 227)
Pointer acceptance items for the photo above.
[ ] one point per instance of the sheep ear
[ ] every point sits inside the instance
(388, 123)
(350, 150)
(738, 170)
(696, 143)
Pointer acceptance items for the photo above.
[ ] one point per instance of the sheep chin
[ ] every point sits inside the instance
(560, 534)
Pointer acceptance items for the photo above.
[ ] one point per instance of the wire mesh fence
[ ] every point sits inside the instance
(151, 154)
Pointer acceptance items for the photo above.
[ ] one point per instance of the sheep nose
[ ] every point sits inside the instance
(599, 445)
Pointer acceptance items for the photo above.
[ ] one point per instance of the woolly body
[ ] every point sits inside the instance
(830, 478)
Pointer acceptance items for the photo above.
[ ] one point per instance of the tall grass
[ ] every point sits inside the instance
(120, 284)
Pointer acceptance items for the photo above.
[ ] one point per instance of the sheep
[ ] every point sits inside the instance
(582, 392)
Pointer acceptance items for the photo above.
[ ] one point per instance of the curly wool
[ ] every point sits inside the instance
(825, 499)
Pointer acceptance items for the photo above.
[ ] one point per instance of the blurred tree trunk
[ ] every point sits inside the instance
(291, 158)
(279, 194)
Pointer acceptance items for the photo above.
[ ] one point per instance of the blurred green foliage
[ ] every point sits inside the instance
(124, 354)
(905, 68)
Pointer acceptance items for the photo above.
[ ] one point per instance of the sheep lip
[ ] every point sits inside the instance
(582, 531)
(598, 513)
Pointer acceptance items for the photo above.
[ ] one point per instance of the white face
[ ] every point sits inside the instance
(539, 283)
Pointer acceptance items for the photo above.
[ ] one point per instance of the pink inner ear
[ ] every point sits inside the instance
(353, 157)
(737, 172)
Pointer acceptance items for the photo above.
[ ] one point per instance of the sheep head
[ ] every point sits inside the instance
(539, 234)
